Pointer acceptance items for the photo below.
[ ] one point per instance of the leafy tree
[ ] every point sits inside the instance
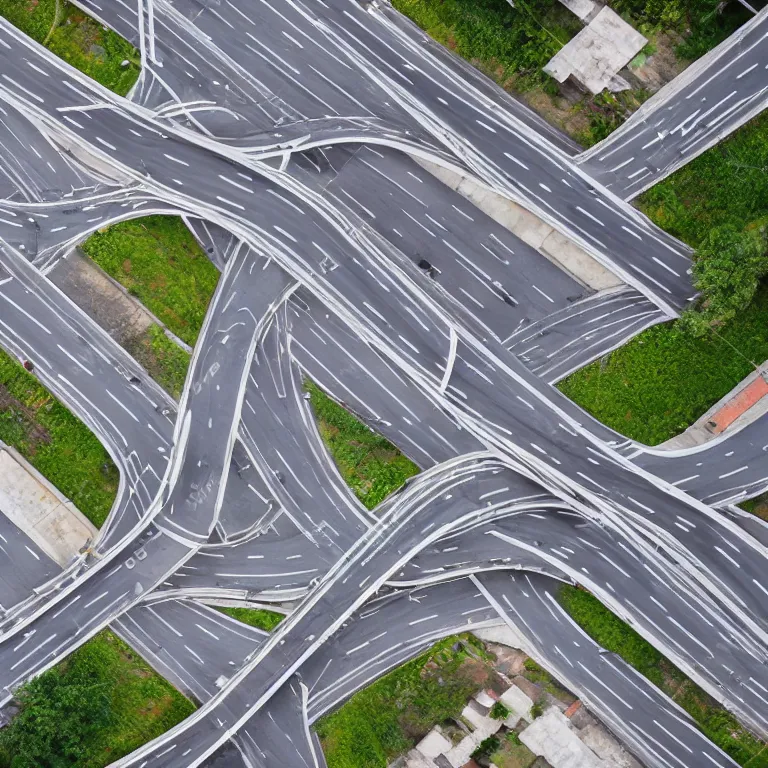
(59, 716)
(499, 711)
(727, 268)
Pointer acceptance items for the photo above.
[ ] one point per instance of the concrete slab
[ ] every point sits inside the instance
(104, 300)
(581, 8)
(551, 737)
(99, 297)
(518, 703)
(595, 56)
(530, 689)
(606, 747)
(472, 714)
(484, 699)
(433, 744)
(39, 509)
(459, 755)
(414, 759)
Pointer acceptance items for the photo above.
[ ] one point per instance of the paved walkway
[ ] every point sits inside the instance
(39, 510)
(746, 402)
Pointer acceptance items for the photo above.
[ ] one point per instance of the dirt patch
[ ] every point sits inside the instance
(90, 288)
(559, 111)
(662, 66)
(761, 510)
(35, 434)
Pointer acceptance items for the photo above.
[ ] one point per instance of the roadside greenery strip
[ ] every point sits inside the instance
(55, 442)
(613, 634)
(255, 617)
(370, 465)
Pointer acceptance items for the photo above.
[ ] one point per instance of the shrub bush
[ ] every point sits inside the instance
(727, 268)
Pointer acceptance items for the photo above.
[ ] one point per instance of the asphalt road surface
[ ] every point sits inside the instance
(345, 261)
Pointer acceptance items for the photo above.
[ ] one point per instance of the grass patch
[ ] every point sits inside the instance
(663, 380)
(165, 361)
(758, 506)
(255, 617)
(390, 716)
(159, 261)
(104, 684)
(659, 383)
(502, 41)
(727, 184)
(513, 754)
(370, 465)
(616, 636)
(77, 39)
(55, 442)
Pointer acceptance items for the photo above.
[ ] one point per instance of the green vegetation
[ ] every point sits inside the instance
(509, 44)
(514, 738)
(727, 268)
(388, 717)
(159, 261)
(256, 617)
(758, 506)
(512, 754)
(664, 379)
(165, 361)
(659, 383)
(616, 636)
(703, 23)
(99, 704)
(486, 747)
(371, 466)
(728, 184)
(55, 442)
(77, 39)
(499, 711)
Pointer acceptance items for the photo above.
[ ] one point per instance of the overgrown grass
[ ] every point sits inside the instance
(702, 22)
(504, 42)
(165, 361)
(255, 617)
(388, 717)
(727, 184)
(130, 701)
(613, 634)
(159, 261)
(55, 442)
(371, 466)
(78, 39)
(659, 383)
